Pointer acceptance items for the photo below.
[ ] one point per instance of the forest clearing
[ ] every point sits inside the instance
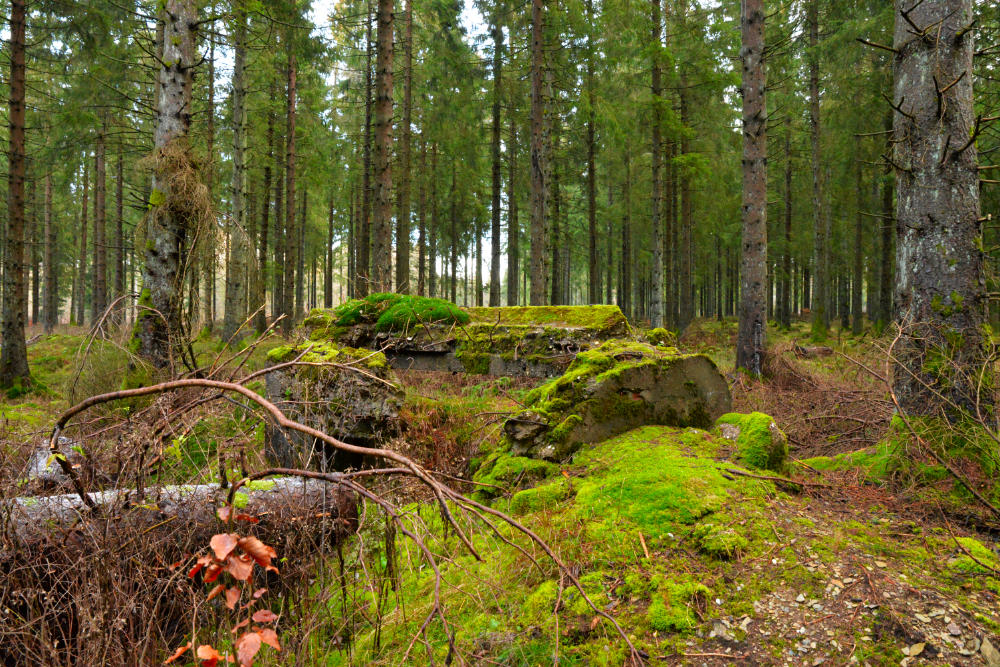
(391, 332)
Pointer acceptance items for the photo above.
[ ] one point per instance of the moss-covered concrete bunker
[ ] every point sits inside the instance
(354, 397)
(612, 389)
(430, 334)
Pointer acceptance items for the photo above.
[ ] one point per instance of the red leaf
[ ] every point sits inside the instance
(224, 513)
(193, 572)
(213, 572)
(257, 550)
(247, 518)
(264, 616)
(240, 567)
(242, 624)
(178, 653)
(215, 591)
(270, 637)
(232, 597)
(259, 592)
(223, 544)
(209, 656)
(247, 647)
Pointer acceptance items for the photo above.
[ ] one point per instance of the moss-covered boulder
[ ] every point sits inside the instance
(614, 388)
(352, 396)
(759, 442)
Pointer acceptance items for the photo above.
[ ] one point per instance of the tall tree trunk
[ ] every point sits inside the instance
(403, 215)
(363, 282)
(328, 265)
(594, 272)
(239, 241)
(495, 155)
(158, 322)
(208, 242)
(785, 307)
(260, 301)
(513, 223)
(555, 282)
(686, 285)
(821, 314)
(382, 217)
(539, 159)
(422, 222)
(34, 259)
(625, 292)
(99, 301)
(300, 256)
(886, 283)
(751, 336)
(857, 322)
(435, 226)
(453, 197)
(81, 276)
(290, 236)
(942, 359)
(51, 309)
(120, 229)
(14, 351)
(656, 284)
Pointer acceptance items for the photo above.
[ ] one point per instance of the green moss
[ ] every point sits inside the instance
(721, 537)
(327, 352)
(501, 469)
(388, 312)
(671, 607)
(475, 363)
(760, 443)
(539, 498)
(596, 318)
(658, 478)
(982, 553)
(661, 337)
(260, 485)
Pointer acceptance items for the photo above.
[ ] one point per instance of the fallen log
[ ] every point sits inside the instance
(277, 503)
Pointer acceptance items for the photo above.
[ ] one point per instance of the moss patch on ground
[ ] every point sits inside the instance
(651, 486)
(327, 352)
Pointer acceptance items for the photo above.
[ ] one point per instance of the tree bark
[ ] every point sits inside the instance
(422, 222)
(328, 265)
(857, 321)
(382, 214)
(208, 243)
(594, 271)
(513, 223)
(260, 319)
(81, 275)
(786, 305)
(99, 300)
(51, 309)
(656, 302)
(158, 322)
(495, 155)
(290, 236)
(363, 282)
(685, 282)
(821, 314)
(403, 215)
(539, 159)
(239, 242)
(942, 355)
(751, 335)
(120, 230)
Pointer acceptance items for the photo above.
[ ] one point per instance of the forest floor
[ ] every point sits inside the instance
(860, 561)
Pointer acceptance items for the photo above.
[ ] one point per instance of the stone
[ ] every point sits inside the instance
(353, 396)
(760, 443)
(990, 653)
(614, 388)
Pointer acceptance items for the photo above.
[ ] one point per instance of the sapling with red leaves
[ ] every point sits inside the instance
(234, 556)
